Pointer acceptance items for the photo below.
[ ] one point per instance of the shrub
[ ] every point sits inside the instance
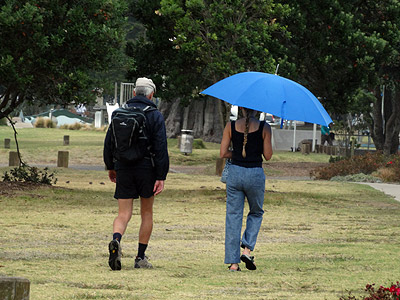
(198, 144)
(357, 178)
(44, 122)
(30, 174)
(390, 172)
(382, 293)
(39, 123)
(75, 126)
(366, 164)
(3, 122)
(49, 123)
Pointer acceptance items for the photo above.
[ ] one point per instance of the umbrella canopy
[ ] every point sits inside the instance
(270, 93)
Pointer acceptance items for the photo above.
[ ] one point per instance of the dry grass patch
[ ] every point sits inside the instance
(318, 239)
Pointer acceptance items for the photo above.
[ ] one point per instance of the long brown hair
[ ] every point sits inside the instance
(246, 130)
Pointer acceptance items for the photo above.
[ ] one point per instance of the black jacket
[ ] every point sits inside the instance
(157, 137)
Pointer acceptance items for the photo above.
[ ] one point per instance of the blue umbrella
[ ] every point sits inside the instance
(271, 94)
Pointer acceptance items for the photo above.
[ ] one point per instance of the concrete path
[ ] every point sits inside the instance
(388, 188)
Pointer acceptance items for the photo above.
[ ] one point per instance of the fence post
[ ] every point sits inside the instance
(13, 159)
(66, 140)
(7, 143)
(62, 161)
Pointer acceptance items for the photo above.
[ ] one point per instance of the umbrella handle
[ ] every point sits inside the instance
(283, 112)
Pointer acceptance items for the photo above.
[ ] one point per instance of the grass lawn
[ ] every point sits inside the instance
(41, 145)
(318, 240)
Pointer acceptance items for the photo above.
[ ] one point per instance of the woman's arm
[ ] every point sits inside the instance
(267, 145)
(224, 151)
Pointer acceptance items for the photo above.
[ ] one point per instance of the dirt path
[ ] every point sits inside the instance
(276, 169)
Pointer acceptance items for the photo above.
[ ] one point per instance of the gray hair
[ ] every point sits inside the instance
(143, 90)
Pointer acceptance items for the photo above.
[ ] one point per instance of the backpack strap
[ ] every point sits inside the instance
(149, 108)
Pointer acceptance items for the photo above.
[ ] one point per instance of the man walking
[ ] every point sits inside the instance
(143, 178)
(326, 135)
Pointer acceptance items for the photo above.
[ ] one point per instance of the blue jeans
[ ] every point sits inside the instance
(243, 182)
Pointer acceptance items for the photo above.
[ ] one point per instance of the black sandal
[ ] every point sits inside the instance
(234, 270)
(249, 261)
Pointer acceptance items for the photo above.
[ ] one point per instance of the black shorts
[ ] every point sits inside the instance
(132, 183)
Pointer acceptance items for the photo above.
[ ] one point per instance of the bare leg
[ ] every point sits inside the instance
(146, 213)
(246, 251)
(124, 215)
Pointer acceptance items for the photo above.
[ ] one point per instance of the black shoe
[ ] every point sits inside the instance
(249, 261)
(114, 260)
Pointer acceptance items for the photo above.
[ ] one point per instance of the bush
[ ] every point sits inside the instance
(75, 126)
(356, 178)
(382, 293)
(49, 123)
(30, 174)
(3, 122)
(198, 144)
(365, 164)
(42, 122)
(39, 123)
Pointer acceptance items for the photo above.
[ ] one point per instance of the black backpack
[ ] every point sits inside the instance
(128, 134)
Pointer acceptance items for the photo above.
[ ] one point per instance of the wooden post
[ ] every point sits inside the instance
(16, 288)
(63, 157)
(66, 140)
(305, 148)
(219, 166)
(329, 150)
(7, 143)
(13, 159)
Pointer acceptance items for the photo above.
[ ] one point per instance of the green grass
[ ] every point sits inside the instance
(41, 145)
(317, 240)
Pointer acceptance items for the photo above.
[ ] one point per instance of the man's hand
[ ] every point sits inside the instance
(112, 175)
(158, 187)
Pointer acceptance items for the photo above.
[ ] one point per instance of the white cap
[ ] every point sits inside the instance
(146, 82)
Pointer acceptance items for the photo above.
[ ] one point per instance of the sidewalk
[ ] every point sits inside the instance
(388, 188)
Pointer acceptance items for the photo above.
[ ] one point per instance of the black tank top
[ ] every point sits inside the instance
(254, 147)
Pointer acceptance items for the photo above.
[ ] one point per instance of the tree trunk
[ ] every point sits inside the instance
(172, 112)
(197, 117)
(203, 117)
(386, 128)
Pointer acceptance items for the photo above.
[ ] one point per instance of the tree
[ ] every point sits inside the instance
(379, 22)
(344, 52)
(190, 45)
(50, 50)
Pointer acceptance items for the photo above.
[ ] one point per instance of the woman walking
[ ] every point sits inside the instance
(251, 139)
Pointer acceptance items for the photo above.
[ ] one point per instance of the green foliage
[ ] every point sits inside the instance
(340, 47)
(333, 159)
(3, 122)
(198, 144)
(356, 178)
(196, 43)
(53, 49)
(365, 164)
(30, 174)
